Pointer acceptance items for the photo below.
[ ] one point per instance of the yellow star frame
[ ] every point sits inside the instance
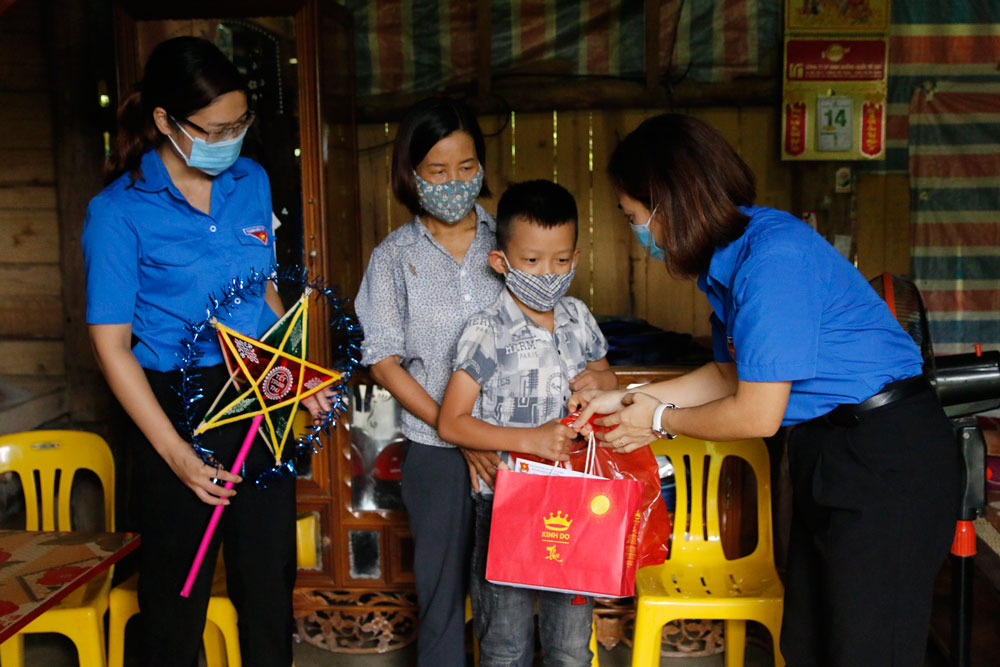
(227, 335)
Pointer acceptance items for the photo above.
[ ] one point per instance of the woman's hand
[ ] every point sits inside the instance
(633, 423)
(483, 464)
(198, 476)
(318, 405)
(590, 401)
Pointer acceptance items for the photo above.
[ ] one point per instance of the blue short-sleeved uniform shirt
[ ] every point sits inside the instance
(152, 259)
(789, 307)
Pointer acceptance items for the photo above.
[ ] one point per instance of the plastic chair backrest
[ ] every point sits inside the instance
(47, 462)
(689, 530)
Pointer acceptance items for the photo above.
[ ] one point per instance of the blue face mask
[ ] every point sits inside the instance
(644, 236)
(212, 158)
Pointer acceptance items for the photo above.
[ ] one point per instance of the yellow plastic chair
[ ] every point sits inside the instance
(697, 580)
(55, 457)
(221, 635)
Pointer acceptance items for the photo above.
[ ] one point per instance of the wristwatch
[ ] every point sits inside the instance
(657, 429)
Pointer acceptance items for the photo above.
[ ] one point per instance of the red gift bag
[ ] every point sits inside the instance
(573, 534)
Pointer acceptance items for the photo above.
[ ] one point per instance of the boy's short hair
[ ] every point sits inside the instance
(541, 202)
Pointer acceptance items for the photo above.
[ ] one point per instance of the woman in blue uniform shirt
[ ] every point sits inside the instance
(800, 339)
(183, 217)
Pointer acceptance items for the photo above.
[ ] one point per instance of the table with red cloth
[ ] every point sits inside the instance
(39, 568)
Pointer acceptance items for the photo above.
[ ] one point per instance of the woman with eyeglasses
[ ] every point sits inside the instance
(182, 217)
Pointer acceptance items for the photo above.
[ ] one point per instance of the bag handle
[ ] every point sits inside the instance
(588, 468)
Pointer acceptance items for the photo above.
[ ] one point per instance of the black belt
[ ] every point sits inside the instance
(850, 414)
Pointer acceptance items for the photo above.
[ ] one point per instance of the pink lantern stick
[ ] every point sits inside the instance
(214, 521)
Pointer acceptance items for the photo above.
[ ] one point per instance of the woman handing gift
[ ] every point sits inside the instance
(799, 339)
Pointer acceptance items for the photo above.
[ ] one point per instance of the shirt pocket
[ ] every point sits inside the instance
(179, 253)
(257, 243)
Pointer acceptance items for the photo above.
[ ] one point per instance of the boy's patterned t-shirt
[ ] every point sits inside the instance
(522, 369)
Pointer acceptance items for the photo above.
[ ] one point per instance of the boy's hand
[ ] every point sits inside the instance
(483, 465)
(552, 441)
(588, 379)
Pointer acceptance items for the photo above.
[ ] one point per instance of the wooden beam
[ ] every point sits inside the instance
(484, 71)
(80, 47)
(652, 44)
(546, 93)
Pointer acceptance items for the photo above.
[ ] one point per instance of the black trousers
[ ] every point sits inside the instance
(874, 512)
(437, 495)
(257, 532)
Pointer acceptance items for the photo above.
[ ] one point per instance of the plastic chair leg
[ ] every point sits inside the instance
(123, 604)
(773, 626)
(736, 637)
(648, 636)
(88, 637)
(223, 615)
(593, 643)
(12, 652)
(215, 645)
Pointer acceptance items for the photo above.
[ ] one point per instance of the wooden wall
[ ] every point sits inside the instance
(614, 276)
(31, 306)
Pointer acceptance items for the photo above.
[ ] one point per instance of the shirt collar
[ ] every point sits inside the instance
(156, 178)
(725, 259)
(413, 230)
(515, 318)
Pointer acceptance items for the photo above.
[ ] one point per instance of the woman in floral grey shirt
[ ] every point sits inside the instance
(422, 283)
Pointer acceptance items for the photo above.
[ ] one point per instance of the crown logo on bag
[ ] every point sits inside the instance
(557, 522)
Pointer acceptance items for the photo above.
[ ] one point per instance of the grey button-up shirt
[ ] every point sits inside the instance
(414, 301)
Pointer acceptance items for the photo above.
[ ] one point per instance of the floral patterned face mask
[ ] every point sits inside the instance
(450, 201)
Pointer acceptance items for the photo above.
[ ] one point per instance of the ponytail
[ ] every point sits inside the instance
(136, 134)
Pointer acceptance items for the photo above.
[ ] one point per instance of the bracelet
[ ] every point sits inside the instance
(657, 415)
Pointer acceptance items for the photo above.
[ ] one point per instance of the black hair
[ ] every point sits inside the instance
(182, 75)
(540, 202)
(687, 171)
(426, 123)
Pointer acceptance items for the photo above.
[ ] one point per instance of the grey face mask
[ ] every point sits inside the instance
(451, 201)
(538, 292)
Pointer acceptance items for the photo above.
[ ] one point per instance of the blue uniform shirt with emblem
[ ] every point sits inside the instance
(152, 259)
(789, 307)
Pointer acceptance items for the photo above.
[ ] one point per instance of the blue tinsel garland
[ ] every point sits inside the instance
(347, 354)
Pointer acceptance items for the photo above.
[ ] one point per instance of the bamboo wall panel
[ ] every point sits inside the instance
(614, 276)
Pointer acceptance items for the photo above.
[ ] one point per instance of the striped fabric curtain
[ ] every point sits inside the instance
(424, 46)
(953, 40)
(954, 157)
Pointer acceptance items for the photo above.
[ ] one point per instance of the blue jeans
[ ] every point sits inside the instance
(504, 616)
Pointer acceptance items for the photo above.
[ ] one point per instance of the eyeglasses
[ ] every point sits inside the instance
(228, 132)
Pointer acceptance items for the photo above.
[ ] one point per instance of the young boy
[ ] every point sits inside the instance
(516, 364)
